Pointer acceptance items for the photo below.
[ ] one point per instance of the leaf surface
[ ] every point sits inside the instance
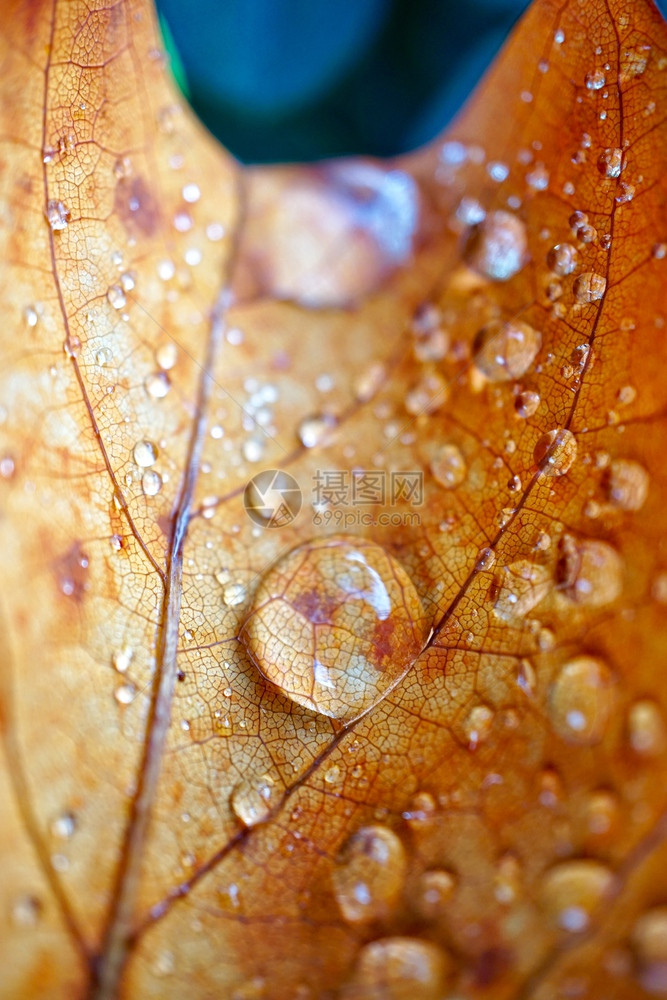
(484, 319)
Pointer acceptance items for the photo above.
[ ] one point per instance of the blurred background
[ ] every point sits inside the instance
(280, 80)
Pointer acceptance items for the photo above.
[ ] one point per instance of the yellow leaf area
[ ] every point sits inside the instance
(411, 742)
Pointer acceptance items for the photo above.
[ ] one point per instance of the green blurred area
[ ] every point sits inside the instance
(280, 80)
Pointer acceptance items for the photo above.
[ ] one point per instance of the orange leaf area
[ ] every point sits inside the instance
(390, 721)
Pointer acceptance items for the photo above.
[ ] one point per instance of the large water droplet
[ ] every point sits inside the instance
(505, 351)
(497, 247)
(573, 890)
(398, 968)
(253, 799)
(555, 452)
(580, 700)
(144, 454)
(519, 587)
(335, 624)
(368, 879)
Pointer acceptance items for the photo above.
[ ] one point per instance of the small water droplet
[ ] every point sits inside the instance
(125, 694)
(368, 878)
(589, 571)
(497, 246)
(144, 454)
(151, 483)
(57, 215)
(434, 889)
(62, 827)
(72, 346)
(486, 557)
(507, 879)
(191, 193)
(589, 287)
(505, 351)
(166, 355)
(428, 395)
(399, 968)
(421, 811)
(562, 259)
(253, 449)
(369, 382)
(538, 177)
(26, 911)
(335, 624)
(121, 659)
(234, 594)
(580, 700)
(31, 316)
(253, 799)
(477, 725)
(449, 466)
(595, 80)
(627, 484)
(610, 162)
(601, 812)
(649, 938)
(555, 452)
(316, 429)
(519, 587)
(116, 297)
(526, 403)
(646, 728)
(7, 467)
(157, 384)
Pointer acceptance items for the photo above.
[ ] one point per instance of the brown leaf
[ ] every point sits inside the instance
(392, 746)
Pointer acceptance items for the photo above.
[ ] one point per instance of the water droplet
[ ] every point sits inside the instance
(428, 395)
(26, 911)
(589, 571)
(595, 80)
(538, 177)
(434, 889)
(601, 813)
(116, 297)
(526, 403)
(144, 454)
(398, 968)
(62, 827)
(486, 557)
(477, 725)
(31, 316)
(369, 382)
(125, 694)
(7, 467)
(589, 287)
(505, 351)
(449, 467)
(368, 878)
(562, 259)
(627, 484)
(649, 937)
(507, 879)
(151, 483)
(315, 430)
(121, 659)
(253, 448)
(335, 624)
(580, 700)
(157, 385)
(497, 246)
(234, 594)
(559, 36)
(573, 890)
(72, 346)
(646, 728)
(610, 162)
(191, 193)
(421, 811)
(253, 799)
(57, 215)
(519, 587)
(555, 452)
(166, 355)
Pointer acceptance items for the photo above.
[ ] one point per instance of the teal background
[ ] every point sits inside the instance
(280, 80)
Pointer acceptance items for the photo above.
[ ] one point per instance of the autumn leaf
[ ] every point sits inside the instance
(390, 721)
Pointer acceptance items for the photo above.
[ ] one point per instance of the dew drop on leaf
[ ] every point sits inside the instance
(253, 799)
(151, 483)
(157, 385)
(449, 466)
(646, 728)
(580, 700)
(433, 889)
(610, 162)
(58, 215)
(589, 287)
(497, 246)
(398, 968)
(368, 878)
(144, 454)
(595, 80)
(314, 430)
(627, 484)
(335, 624)
(562, 259)
(649, 937)
(526, 403)
(573, 890)
(555, 452)
(116, 297)
(590, 571)
(505, 351)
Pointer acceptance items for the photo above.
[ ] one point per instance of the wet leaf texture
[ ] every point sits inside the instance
(409, 743)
